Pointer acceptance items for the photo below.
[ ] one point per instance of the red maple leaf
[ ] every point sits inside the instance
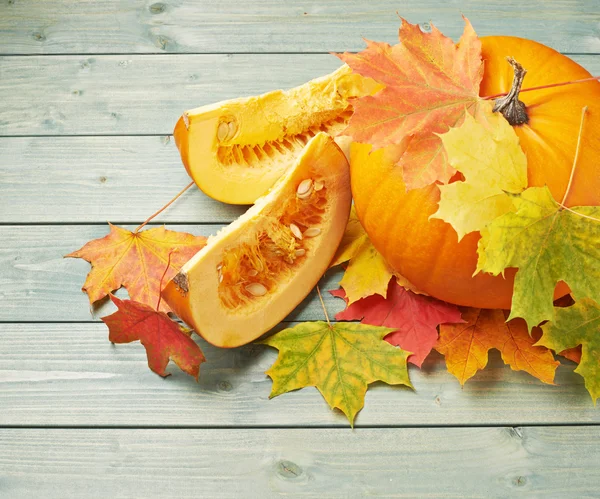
(430, 83)
(415, 317)
(162, 337)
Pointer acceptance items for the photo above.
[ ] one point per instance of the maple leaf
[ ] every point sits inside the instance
(573, 354)
(548, 244)
(466, 346)
(367, 273)
(414, 317)
(340, 360)
(430, 84)
(485, 149)
(137, 261)
(574, 326)
(162, 337)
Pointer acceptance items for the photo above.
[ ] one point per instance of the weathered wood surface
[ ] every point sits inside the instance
(84, 138)
(135, 26)
(486, 463)
(137, 94)
(92, 179)
(38, 284)
(70, 375)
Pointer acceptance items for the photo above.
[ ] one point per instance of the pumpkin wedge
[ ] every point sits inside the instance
(254, 272)
(236, 150)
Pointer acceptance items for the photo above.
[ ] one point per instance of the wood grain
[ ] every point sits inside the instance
(137, 94)
(418, 462)
(38, 284)
(93, 179)
(70, 375)
(168, 26)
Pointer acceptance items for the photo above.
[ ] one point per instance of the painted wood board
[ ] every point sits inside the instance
(71, 375)
(494, 462)
(144, 94)
(95, 179)
(38, 284)
(201, 26)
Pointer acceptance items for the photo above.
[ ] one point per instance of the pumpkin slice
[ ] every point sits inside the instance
(254, 272)
(236, 150)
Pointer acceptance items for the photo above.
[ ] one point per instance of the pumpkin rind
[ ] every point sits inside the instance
(427, 252)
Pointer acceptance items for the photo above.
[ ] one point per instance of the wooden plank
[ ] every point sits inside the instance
(112, 26)
(70, 375)
(93, 179)
(426, 462)
(38, 284)
(139, 94)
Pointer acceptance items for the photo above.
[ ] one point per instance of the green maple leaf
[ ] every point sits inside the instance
(340, 360)
(576, 325)
(485, 149)
(548, 244)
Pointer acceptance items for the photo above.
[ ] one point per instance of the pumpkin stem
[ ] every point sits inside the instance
(510, 106)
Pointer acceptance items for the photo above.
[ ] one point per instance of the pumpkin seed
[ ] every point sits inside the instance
(256, 289)
(222, 131)
(296, 231)
(312, 232)
(304, 188)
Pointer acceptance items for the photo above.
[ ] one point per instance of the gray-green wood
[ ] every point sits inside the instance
(38, 284)
(135, 26)
(143, 94)
(500, 462)
(71, 375)
(95, 179)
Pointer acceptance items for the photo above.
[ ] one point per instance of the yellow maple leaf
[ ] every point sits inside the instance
(339, 359)
(485, 149)
(367, 272)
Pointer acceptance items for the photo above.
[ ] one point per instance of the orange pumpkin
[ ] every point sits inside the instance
(427, 252)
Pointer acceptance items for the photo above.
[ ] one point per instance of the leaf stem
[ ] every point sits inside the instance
(323, 305)
(577, 149)
(542, 87)
(161, 281)
(164, 207)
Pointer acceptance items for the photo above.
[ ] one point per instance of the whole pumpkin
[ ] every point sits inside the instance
(427, 252)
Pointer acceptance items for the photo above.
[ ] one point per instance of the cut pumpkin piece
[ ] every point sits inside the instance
(254, 272)
(236, 150)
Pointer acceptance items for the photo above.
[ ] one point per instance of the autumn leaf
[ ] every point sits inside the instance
(367, 272)
(136, 260)
(340, 360)
(573, 354)
(574, 326)
(430, 84)
(466, 346)
(414, 317)
(485, 149)
(162, 337)
(547, 244)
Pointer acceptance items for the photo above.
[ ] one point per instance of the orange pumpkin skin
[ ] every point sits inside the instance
(427, 252)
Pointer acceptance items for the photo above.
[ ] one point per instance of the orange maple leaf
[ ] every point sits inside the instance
(466, 346)
(162, 337)
(137, 261)
(430, 83)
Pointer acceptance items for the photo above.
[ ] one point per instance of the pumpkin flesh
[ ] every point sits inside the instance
(236, 150)
(254, 272)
